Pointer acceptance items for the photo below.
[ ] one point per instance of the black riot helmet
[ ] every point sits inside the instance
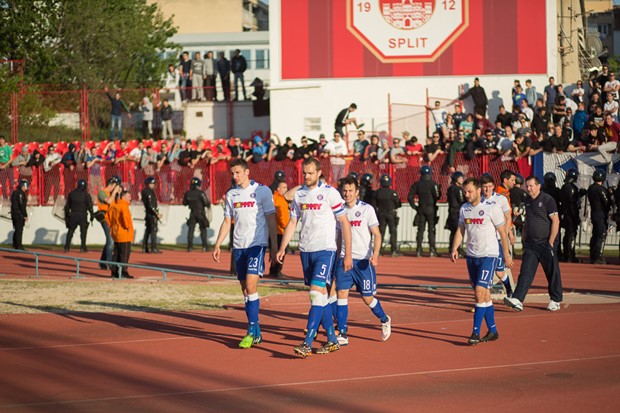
(550, 179)
(571, 175)
(455, 176)
(279, 176)
(81, 185)
(353, 175)
(386, 181)
(149, 180)
(366, 179)
(194, 183)
(599, 176)
(519, 179)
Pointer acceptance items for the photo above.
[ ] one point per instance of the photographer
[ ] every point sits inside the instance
(105, 198)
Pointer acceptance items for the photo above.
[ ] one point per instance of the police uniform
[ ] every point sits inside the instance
(387, 203)
(456, 198)
(19, 214)
(197, 201)
(151, 218)
(79, 205)
(517, 200)
(600, 205)
(428, 193)
(569, 214)
(367, 194)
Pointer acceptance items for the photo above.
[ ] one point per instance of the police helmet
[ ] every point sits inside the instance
(279, 176)
(572, 175)
(149, 180)
(549, 178)
(456, 175)
(519, 179)
(116, 180)
(599, 175)
(366, 179)
(195, 183)
(82, 184)
(386, 180)
(353, 175)
(23, 183)
(425, 170)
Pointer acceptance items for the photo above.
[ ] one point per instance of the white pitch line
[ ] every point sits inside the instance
(306, 383)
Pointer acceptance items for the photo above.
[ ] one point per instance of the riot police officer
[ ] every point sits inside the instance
(456, 198)
(517, 200)
(19, 214)
(197, 201)
(367, 194)
(152, 216)
(549, 186)
(570, 196)
(428, 193)
(600, 205)
(79, 205)
(278, 177)
(387, 204)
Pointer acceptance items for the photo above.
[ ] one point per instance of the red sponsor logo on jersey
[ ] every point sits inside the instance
(356, 223)
(244, 204)
(474, 221)
(311, 207)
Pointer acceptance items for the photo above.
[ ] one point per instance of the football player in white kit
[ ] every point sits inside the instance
(318, 206)
(480, 220)
(251, 206)
(366, 247)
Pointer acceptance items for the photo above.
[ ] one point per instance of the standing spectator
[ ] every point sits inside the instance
(69, 162)
(122, 232)
(236, 148)
(210, 72)
(433, 148)
(526, 110)
(611, 131)
(166, 113)
(578, 93)
(611, 107)
(518, 97)
(397, 153)
(372, 150)
(344, 118)
(77, 209)
(530, 93)
(223, 68)
(52, 174)
(503, 117)
(479, 97)
(20, 162)
(93, 164)
(238, 66)
(197, 75)
(305, 151)
(439, 118)
(540, 244)
(612, 86)
(172, 80)
(595, 101)
(522, 145)
(383, 154)
(283, 216)
(146, 107)
(259, 151)
(580, 119)
(604, 76)
(185, 69)
(541, 121)
(360, 144)
(413, 148)
(19, 214)
(550, 93)
(6, 172)
(458, 116)
(459, 145)
(337, 150)
(117, 105)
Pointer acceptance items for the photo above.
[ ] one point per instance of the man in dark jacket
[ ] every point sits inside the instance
(600, 205)
(387, 203)
(479, 97)
(570, 196)
(117, 105)
(428, 193)
(79, 205)
(223, 68)
(238, 65)
(152, 216)
(19, 215)
(456, 198)
(197, 201)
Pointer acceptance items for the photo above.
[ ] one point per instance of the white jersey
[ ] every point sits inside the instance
(501, 201)
(481, 223)
(362, 218)
(317, 210)
(249, 208)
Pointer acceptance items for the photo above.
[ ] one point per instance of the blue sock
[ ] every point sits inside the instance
(252, 306)
(314, 320)
(489, 317)
(343, 315)
(327, 320)
(479, 316)
(377, 310)
(506, 282)
(247, 313)
(333, 303)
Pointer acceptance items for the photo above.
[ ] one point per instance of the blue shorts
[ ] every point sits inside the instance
(249, 261)
(362, 275)
(318, 267)
(500, 260)
(481, 271)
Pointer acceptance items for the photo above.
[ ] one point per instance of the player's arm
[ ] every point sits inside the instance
(273, 234)
(458, 240)
(290, 194)
(224, 230)
(376, 245)
(345, 228)
(505, 245)
(289, 231)
(508, 226)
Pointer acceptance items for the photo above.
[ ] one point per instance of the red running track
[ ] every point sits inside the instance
(189, 361)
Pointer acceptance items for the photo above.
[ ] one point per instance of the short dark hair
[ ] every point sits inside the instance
(353, 106)
(486, 179)
(239, 162)
(475, 182)
(533, 178)
(506, 174)
(349, 180)
(312, 161)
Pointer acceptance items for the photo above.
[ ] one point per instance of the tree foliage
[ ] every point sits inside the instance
(116, 42)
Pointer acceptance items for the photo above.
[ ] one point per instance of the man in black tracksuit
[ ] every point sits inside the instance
(456, 198)
(387, 204)
(570, 196)
(600, 205)
(197, 201)
(19, 215)
(79, 205)
(152, 216)
(428, 193)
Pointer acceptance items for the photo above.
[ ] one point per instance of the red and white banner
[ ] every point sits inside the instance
(381, 38)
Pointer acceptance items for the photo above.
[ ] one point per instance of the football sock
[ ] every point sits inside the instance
(343, 315)
(377, 310)
(314, 316)
(489, 317)
(506, 282)
(479, 316)
(252, 311)
(333, 303)
(327, 320)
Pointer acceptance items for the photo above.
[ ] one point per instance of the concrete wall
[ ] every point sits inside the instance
(191, 16)
(210, 120)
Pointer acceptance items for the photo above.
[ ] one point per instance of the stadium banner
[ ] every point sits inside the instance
(323, 39)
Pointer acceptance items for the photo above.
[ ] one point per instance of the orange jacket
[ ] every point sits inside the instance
(121, 224)
(102, 206)
(283, 215)
(503, 191)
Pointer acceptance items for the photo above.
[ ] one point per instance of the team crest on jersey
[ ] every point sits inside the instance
(358, 213)
(540, 204)
(253, 195)
(481, 213)
(320, 197)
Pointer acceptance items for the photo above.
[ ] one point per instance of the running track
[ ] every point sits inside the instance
(189, 361)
